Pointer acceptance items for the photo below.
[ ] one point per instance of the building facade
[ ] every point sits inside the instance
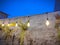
(3, 15)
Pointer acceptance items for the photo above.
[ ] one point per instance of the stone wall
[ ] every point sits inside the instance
(37, 34)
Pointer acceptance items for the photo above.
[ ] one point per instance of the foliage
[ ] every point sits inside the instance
(59, 34)
(56, 26)
(6, 30)
(22, 34)
(23, 27)
(58, 31)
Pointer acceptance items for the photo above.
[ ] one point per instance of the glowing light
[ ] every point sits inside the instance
(2, 24)
(8, 24)
(28, 24)
(47, 23)
(16, 25)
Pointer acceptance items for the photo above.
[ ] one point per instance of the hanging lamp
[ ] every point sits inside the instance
(3, 24)
(47, 20)
(16, 24)
(28, 24)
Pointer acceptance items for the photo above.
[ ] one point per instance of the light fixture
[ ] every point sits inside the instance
(3, 24)
(8, 24)
(16, 24)
(47, 21)
(28, 24)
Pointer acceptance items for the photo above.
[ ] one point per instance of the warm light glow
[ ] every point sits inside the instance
(16, 25)
(2, 24)
(8, 25)
(28, 24)
(47, 23)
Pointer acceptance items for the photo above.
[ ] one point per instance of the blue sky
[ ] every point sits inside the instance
(16, 8)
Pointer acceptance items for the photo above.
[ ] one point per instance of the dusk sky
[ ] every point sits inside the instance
(16, 8)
